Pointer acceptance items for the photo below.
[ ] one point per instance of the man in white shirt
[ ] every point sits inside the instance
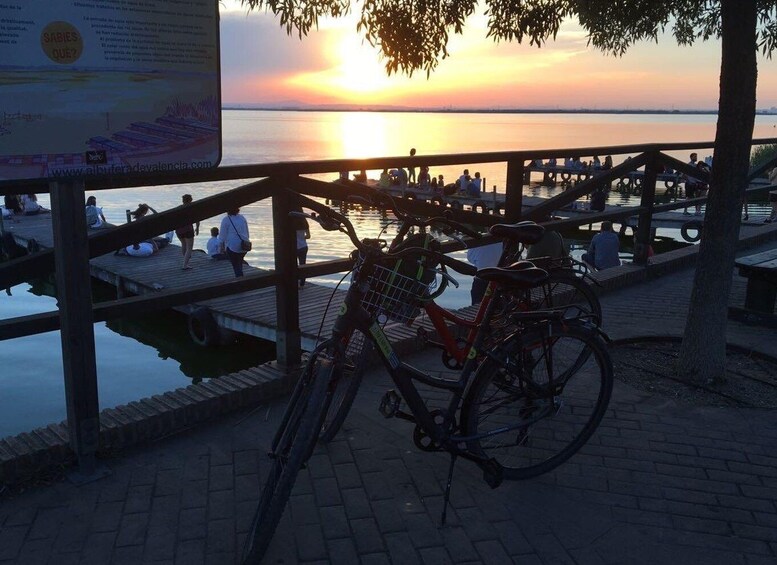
(482, 257)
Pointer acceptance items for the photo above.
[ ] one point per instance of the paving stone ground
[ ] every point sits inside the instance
(657, 483)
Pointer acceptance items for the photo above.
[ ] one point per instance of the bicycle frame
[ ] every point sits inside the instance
(353, 316)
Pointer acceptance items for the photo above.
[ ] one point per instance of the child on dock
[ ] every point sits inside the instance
(214, 247)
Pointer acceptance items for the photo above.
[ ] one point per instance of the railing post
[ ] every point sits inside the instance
(74, 297)
(647, 203)
(514, 190)
(288, 341)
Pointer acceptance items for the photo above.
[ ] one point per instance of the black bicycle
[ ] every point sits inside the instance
(520, 408)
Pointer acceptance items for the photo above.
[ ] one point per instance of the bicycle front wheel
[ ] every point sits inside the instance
(537, 398)
(293, 444)
(346, 378)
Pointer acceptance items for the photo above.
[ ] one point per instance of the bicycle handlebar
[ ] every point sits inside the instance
(334, 221)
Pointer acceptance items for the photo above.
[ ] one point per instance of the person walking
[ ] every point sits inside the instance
(235, 238)
(186, 235)
(302, 230)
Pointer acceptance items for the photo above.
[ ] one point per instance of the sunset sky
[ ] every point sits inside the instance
(262, 65)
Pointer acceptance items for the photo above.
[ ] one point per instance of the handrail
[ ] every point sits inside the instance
(238, 172)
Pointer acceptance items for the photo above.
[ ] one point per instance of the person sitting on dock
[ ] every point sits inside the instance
(94, 215)
(143, 249)
(474, 186)
(603, 251)
(424, 179)
(214, 247)
(463, 181)
(385, 179)
(13, 204)
(31, 206)
(607, 165)
(142, 211)
(401, 177)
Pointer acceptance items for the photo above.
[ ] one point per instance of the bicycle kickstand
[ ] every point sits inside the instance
(448, 489)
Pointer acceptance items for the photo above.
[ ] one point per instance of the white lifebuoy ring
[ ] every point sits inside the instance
(437, 200)
(480, 206)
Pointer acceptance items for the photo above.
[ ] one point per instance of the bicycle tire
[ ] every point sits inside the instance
(575, 358)
(564, 289)
(346, 379)
(293, 444)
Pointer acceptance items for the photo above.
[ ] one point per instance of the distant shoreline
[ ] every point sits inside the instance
(479, 110)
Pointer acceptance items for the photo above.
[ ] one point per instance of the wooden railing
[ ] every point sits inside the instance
(73, 247)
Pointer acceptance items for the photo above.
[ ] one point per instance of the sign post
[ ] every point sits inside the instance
(74, 298)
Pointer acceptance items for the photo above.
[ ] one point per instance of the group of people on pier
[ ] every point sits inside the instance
(23, 205)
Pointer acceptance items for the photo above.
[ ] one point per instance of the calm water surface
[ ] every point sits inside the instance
(142, 357)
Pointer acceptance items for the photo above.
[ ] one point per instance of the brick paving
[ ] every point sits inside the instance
(658, 483)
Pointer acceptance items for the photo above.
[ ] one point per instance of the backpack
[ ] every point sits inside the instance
(419, 267)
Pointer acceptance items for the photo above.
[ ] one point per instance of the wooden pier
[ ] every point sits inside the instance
(253, 313)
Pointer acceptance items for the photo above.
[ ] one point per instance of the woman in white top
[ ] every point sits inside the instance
(233, 232)
(31, 206)
(94, 214)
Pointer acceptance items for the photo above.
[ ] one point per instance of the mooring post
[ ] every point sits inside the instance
(643, 235)
(74, 297)
(288, 341)
(514, 190)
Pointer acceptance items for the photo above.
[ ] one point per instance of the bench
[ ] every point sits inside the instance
(760, 270)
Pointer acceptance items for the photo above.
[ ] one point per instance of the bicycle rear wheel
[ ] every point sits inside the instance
(346, 378)
(538, 398)
(292, 446)
(565, 290)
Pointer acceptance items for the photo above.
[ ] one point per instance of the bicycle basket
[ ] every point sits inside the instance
(396, 295)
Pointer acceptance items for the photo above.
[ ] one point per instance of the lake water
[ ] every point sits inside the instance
(142, 357)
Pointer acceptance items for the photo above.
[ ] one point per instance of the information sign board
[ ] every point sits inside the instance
(108, 87)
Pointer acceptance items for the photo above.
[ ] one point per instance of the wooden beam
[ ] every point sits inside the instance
(288, 341)
(74, 298)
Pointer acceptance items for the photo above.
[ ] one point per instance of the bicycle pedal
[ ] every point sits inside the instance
(493, 473)
(389, 404)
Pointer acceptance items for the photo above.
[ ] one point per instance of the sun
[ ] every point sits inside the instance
(356, 73)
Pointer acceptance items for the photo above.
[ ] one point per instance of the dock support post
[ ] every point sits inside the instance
(514, 191)
(643, 235)
(288, 342)
(74, 297)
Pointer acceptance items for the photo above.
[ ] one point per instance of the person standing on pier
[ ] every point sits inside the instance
(411, 169)
(186, 235)
(235, 237)
(302, 230)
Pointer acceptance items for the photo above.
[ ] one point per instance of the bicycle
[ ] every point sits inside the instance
(562, 290)
(509, 418)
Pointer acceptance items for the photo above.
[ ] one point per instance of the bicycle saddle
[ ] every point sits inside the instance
(526, 232)
(521, 265)
(523, 279)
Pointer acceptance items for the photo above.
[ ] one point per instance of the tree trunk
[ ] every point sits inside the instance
(703, 351)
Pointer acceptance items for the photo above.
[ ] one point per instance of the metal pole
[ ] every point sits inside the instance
(74, 296)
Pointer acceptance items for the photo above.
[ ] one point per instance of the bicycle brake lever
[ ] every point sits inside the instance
(449, 278)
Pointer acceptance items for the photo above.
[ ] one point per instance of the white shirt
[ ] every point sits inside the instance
(302, 243)
(233, 228)
(485, 256)
(144, 249)
(29, 204)
(213, 246)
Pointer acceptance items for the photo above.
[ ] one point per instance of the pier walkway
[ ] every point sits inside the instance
(252, 313)
(660, 482)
